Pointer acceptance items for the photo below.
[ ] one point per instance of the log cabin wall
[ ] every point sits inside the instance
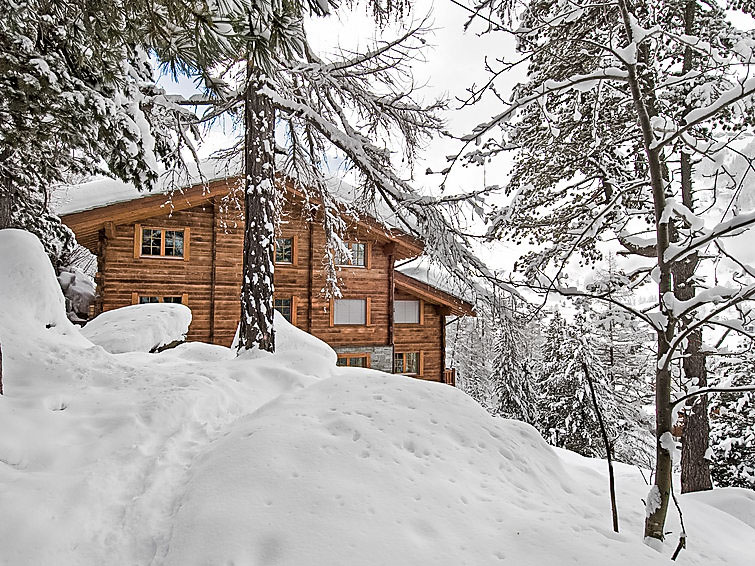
(425, 337)
(209, 279)
(125, 274)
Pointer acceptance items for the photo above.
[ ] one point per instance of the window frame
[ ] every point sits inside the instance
(367, 255)
(294, 250)
(350, 355)
(367, 311)
(139, 235)
(421, 312)
(420, 362)
(294, 305)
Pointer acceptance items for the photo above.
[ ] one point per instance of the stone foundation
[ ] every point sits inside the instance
(381, 357)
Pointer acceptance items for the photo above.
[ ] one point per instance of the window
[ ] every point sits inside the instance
(407, 362)
(406, 312)
(174, 243)
(137, 299)
(284, 250)
(353, 360)
(161, 242)
(358, 255)
(350, 311)
(151, 241)
(283, 306)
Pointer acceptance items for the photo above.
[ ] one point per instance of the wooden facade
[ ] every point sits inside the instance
(206, 276)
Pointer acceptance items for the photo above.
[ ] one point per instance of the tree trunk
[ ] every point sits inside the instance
(658, 499)
(696, 430)
(256, 327)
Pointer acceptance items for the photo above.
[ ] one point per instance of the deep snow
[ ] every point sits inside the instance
(196, 456)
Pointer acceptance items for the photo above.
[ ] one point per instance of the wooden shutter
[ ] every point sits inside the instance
(368, 312)
(134, 298)
(294, 251)
(421, 362)
(367, 255)
(137, 240)
(185, 299)
(294, 307)
(187, 241)
(421, 312)
(332, 310)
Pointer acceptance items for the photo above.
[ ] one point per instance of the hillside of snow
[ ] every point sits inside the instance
(194, 456)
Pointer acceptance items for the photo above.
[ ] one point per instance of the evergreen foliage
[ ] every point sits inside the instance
(732, 426)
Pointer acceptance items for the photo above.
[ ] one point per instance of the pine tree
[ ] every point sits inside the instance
(732, 431)
(512, 374)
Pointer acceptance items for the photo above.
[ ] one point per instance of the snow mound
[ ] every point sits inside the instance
(30, 292)
(296, 350)
(139, 328)
(196, 456)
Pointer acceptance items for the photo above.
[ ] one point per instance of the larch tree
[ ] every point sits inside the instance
(360, 106)
(596, 130)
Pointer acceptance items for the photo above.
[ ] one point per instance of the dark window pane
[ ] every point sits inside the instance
(284, 250)
(359, 361)
(358, 254)
(283, 306)
(343, 362)
(398, 363)
(174, 243)
(151, 240)
(145, 300)
(176, 300)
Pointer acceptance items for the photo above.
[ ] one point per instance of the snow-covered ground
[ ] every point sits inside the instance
(194, 456)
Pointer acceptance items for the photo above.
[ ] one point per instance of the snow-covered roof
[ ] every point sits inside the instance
(103, 191)
(422, 269)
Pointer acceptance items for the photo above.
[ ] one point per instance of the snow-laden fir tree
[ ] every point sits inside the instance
(79, 98)
(470, 341)
(732, 425)
(513, 377)
(567, 417)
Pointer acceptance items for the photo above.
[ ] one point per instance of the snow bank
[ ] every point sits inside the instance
(139, 328)
(30, 295)
(194, 456)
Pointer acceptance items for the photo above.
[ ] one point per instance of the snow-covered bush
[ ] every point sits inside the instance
(79, 291)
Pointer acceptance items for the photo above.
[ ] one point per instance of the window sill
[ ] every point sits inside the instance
(170, 257)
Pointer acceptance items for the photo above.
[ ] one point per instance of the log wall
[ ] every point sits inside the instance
(211, 280)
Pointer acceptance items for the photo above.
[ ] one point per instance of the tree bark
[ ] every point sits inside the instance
(256, 326)
(656, 514)
(696, 430)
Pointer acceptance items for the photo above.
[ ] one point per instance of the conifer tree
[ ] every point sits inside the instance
(512, 374)
(732, 425)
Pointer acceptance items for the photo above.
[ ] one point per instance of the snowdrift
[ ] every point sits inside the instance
(139, 328)
(194, 456)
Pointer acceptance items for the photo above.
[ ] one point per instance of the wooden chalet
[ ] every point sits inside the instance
(189, 250)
